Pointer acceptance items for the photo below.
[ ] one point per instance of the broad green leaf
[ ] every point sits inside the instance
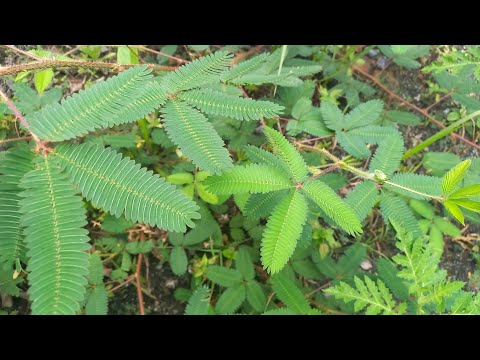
(127, 55)
(207, 196)
(43, 79)
(447, 227)
(231, 299)
(423, 208)
(223, 276)
(244, 263)
(178, 260)
(180, 178)
(137, 247)
(255, 295)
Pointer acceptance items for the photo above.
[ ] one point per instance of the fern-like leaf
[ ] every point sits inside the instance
(425, 184)
(375, 297)
(218, 103)
(244, 67)
(287, 153)
(332, 116)
(395, 210)
(90, 109)
(203, 71)
(290, 294)
(341, 213)
(53, 218)
(253, 178)
(353, 145)
(120, 186)
(16, 163)
(470, 190)
(388, 154)
(282, 232)
(96, 299)
(261, 205)
(260, 156)
(364, 114)
(362, 198)
(196, 137)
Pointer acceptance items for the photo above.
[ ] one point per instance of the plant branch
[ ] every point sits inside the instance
(367, 176)
(48, 63)
(25, 53)
(424, 112)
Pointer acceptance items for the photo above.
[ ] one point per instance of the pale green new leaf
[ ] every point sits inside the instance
(196, 137)
(203, 71)
(218, 103)
(333, 205)
(467, 191)
(252, 178)
(287, 153)
(282, 232)
(468, 204)
(13, 166)
(289, 294)
(94, 108)
(118, 185)
(53, 217)
(452, 178)
(454, 210)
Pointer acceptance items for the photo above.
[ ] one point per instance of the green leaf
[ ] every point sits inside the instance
(388, 274)
(231, 299)
(362, 198)
(388, 155)
(180, 178)
(260, 156)
(196, 137)
(244, 67)
(139, 247)
(255, 296)
(203, 71)
(468, 204)
(287, 153)
(467, 191)
(402, 117)
(364, 114)
(302, 107)
(350, 262)
(99, 106)
(333, 206)
(217, 103)
(289, 294)
(425, 184)
(244, 264)
(97, 301)
(121, 186)
(375, 297)
(43, 79)
(13, 166)
(199, 302)
(454, 210)
(54, 217)
(261, 205)
(178, 261)
(252, 178)
(436, 241)
(423, 208)
(223, 276)
(127, 55)
(447, 227)
(9, 285)
(452, 178)
(116, 225)
(332, 116)
(282, 232)
(396, 211)
(353, 144)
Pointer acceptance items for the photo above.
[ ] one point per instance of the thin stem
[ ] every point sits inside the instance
(49, 63)
(15, 139)
(144, 48)
(367, 176)
(440, 134)
(331, 168)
